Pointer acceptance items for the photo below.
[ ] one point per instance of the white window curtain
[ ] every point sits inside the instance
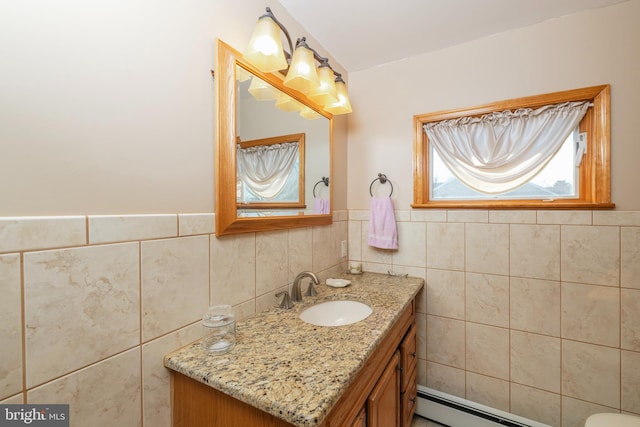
(501, 151)
(264, 169)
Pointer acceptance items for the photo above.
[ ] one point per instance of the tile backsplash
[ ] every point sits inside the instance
(91, 304)
(536, 313)
(532, 312)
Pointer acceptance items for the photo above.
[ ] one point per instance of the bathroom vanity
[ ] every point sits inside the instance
(284, 371)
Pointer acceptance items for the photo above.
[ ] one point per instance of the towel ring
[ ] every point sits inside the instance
(324, 180)
(383, 180)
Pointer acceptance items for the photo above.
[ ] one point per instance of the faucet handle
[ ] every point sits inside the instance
(286, 301)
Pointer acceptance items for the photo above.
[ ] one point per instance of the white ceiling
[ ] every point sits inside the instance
(361, 34)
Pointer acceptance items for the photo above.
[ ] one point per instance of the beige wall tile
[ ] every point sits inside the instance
(402, 215)
(191, 224)
(445, 293)
(121, 228)
(107, 393)
(10, 326)
(534, 404)
(487, 299)
(631, 218)
(355, 240)
(359, 215)
(590, 255)
(272, 261)
(535, 251)
(175, 283)
(591, 313)
(339, 232)
(428, 215)
(487, 248)
(630, 319)
(300, 251)
(322, 248)
(631, 381)
(412, 247)
(575, 412)
(512, 217)
(445, 246)
(245, 309)
(445, 341)
(488, 391)
(535, 306)
(156, 384)
(467, 216)
(564, 217)
(233, 269)
(32, 233)
(535, 361)
(591, 372)
(85, 299)
(446, 379)
(17, 399)
(630, 257)
(483, 340)
(421, 298)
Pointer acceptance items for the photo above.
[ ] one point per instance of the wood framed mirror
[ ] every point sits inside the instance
(247, 113)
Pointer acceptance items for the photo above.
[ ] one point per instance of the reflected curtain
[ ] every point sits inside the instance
(264, 169)
(501, 151)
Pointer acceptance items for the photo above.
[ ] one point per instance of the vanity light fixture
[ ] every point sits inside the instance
(322, 84)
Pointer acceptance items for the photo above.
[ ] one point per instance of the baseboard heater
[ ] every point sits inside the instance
(454, 411)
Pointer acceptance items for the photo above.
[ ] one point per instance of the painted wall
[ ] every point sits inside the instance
(592, 48)
(531, 312)
(108, 108)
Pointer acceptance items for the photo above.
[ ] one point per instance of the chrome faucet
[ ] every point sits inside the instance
(296, 295)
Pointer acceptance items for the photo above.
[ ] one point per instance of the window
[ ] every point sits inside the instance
(578, 175)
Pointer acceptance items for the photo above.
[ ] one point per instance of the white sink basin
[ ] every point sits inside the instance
(335, 313)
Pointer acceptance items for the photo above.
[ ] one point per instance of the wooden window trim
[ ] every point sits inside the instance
(595, 170)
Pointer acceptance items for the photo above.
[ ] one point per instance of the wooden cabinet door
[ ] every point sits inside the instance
(361, 419)
(383, 405)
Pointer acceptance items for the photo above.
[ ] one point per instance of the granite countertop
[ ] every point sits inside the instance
(294, 370)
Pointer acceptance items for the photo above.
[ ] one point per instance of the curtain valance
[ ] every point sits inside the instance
(502, 150)
(264, 169)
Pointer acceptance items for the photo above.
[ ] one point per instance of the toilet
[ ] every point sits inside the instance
(612, 420)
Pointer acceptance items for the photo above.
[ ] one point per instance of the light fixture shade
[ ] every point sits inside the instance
(242, 74)
(343, 106)
(261, 90)
(265, 47)
(287, 103)
(326, 92)
(302, 75)
(309, 113)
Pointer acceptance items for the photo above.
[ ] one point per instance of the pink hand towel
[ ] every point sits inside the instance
(320, 206)
(383, 232)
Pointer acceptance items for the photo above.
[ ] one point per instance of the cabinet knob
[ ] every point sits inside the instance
(413, 354)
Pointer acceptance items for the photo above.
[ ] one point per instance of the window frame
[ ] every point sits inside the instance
(595, 169)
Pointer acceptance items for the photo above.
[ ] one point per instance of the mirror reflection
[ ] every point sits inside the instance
(271, 172)
(283, 151)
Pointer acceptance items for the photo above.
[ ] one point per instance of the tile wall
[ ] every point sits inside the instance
(90, 305)
(536, 313)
